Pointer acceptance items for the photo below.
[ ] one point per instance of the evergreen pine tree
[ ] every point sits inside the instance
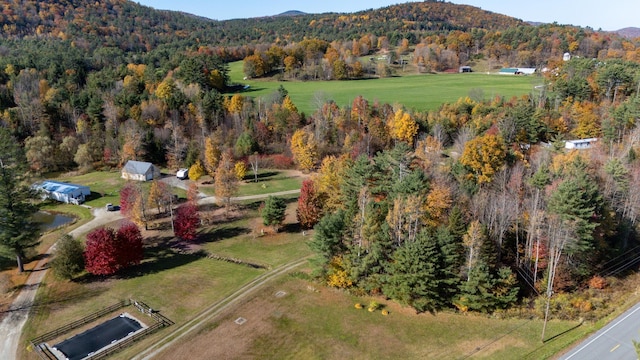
(452, 261)
(413, 277)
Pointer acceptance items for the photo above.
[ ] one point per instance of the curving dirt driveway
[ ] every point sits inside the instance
(15, 318)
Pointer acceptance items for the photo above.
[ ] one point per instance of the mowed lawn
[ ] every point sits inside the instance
(415, 91)
(269, 181)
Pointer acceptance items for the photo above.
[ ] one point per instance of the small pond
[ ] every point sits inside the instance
(49, 220)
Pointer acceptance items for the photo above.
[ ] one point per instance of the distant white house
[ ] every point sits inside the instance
(139, 171)
(517, 71)
(64, 192)
(580, 144)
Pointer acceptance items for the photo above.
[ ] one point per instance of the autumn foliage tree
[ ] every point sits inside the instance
(309, 209)
(133, 204)
(483, 156)
(186, 221)
(305, 149)
(226, 183)
(107, 251)
(403, 127)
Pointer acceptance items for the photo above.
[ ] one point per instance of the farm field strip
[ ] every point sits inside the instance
(419, 92)
(216, 309)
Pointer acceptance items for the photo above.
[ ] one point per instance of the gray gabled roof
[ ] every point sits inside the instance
(137, 167)
(61, 187)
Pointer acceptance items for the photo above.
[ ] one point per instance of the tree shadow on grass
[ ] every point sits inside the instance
(159, 259)
(261, 177)
(57, 302)
(291, 228)
(221, 233)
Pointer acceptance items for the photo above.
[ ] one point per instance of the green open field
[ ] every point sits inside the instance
(314, 322)
(415, 91)
(269, 181)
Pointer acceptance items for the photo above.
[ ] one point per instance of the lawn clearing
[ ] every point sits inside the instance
(314, 322)
(269, 181)
(243, 239)
(415, 91)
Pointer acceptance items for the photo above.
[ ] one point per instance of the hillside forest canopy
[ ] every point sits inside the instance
(424, 207)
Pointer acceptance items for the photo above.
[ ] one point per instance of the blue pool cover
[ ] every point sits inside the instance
(94, 339)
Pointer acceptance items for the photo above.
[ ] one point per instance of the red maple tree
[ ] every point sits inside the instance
(108, 251)
(186, 221)
(309, 209)
(129, 240)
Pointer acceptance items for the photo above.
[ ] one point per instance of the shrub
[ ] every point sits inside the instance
(385, 312)
(597, 282)
(68, 260)
(358, 306)
(282, 161)
(274, 211)
(373, 306)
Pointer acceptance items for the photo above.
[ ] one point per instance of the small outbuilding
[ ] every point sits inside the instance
(139, 171)
(580, 144)
(64, 192)
(465, 69)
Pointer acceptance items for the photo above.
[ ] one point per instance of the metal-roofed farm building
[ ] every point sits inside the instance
(64, 192)
(140, 171)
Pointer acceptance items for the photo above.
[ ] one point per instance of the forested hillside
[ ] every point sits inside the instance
(434, 209)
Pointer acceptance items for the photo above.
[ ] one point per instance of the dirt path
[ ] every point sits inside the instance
(13, 322)
(216, 309)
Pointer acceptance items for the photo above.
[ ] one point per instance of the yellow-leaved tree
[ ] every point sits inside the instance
(240, 169)
(484, 156)
(304, 148)
(212, 155)
(234, 104)
(403, 127)
(289, 105)
(196, 171)
(328, 181)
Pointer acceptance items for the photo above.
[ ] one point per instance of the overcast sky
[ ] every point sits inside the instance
(597, 14)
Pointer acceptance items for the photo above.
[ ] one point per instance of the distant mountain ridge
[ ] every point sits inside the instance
(292, 13)
(629, 32)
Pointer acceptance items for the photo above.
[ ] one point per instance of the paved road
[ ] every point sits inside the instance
(13, 322)
(613, 342)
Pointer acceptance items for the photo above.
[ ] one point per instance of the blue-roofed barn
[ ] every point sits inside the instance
(140, 171)
(64, 192)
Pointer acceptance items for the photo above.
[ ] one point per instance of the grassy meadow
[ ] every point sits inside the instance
(415, 91)
(314, 322)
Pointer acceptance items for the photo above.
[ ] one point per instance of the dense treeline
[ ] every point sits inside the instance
(478, 195)
(426, 208)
